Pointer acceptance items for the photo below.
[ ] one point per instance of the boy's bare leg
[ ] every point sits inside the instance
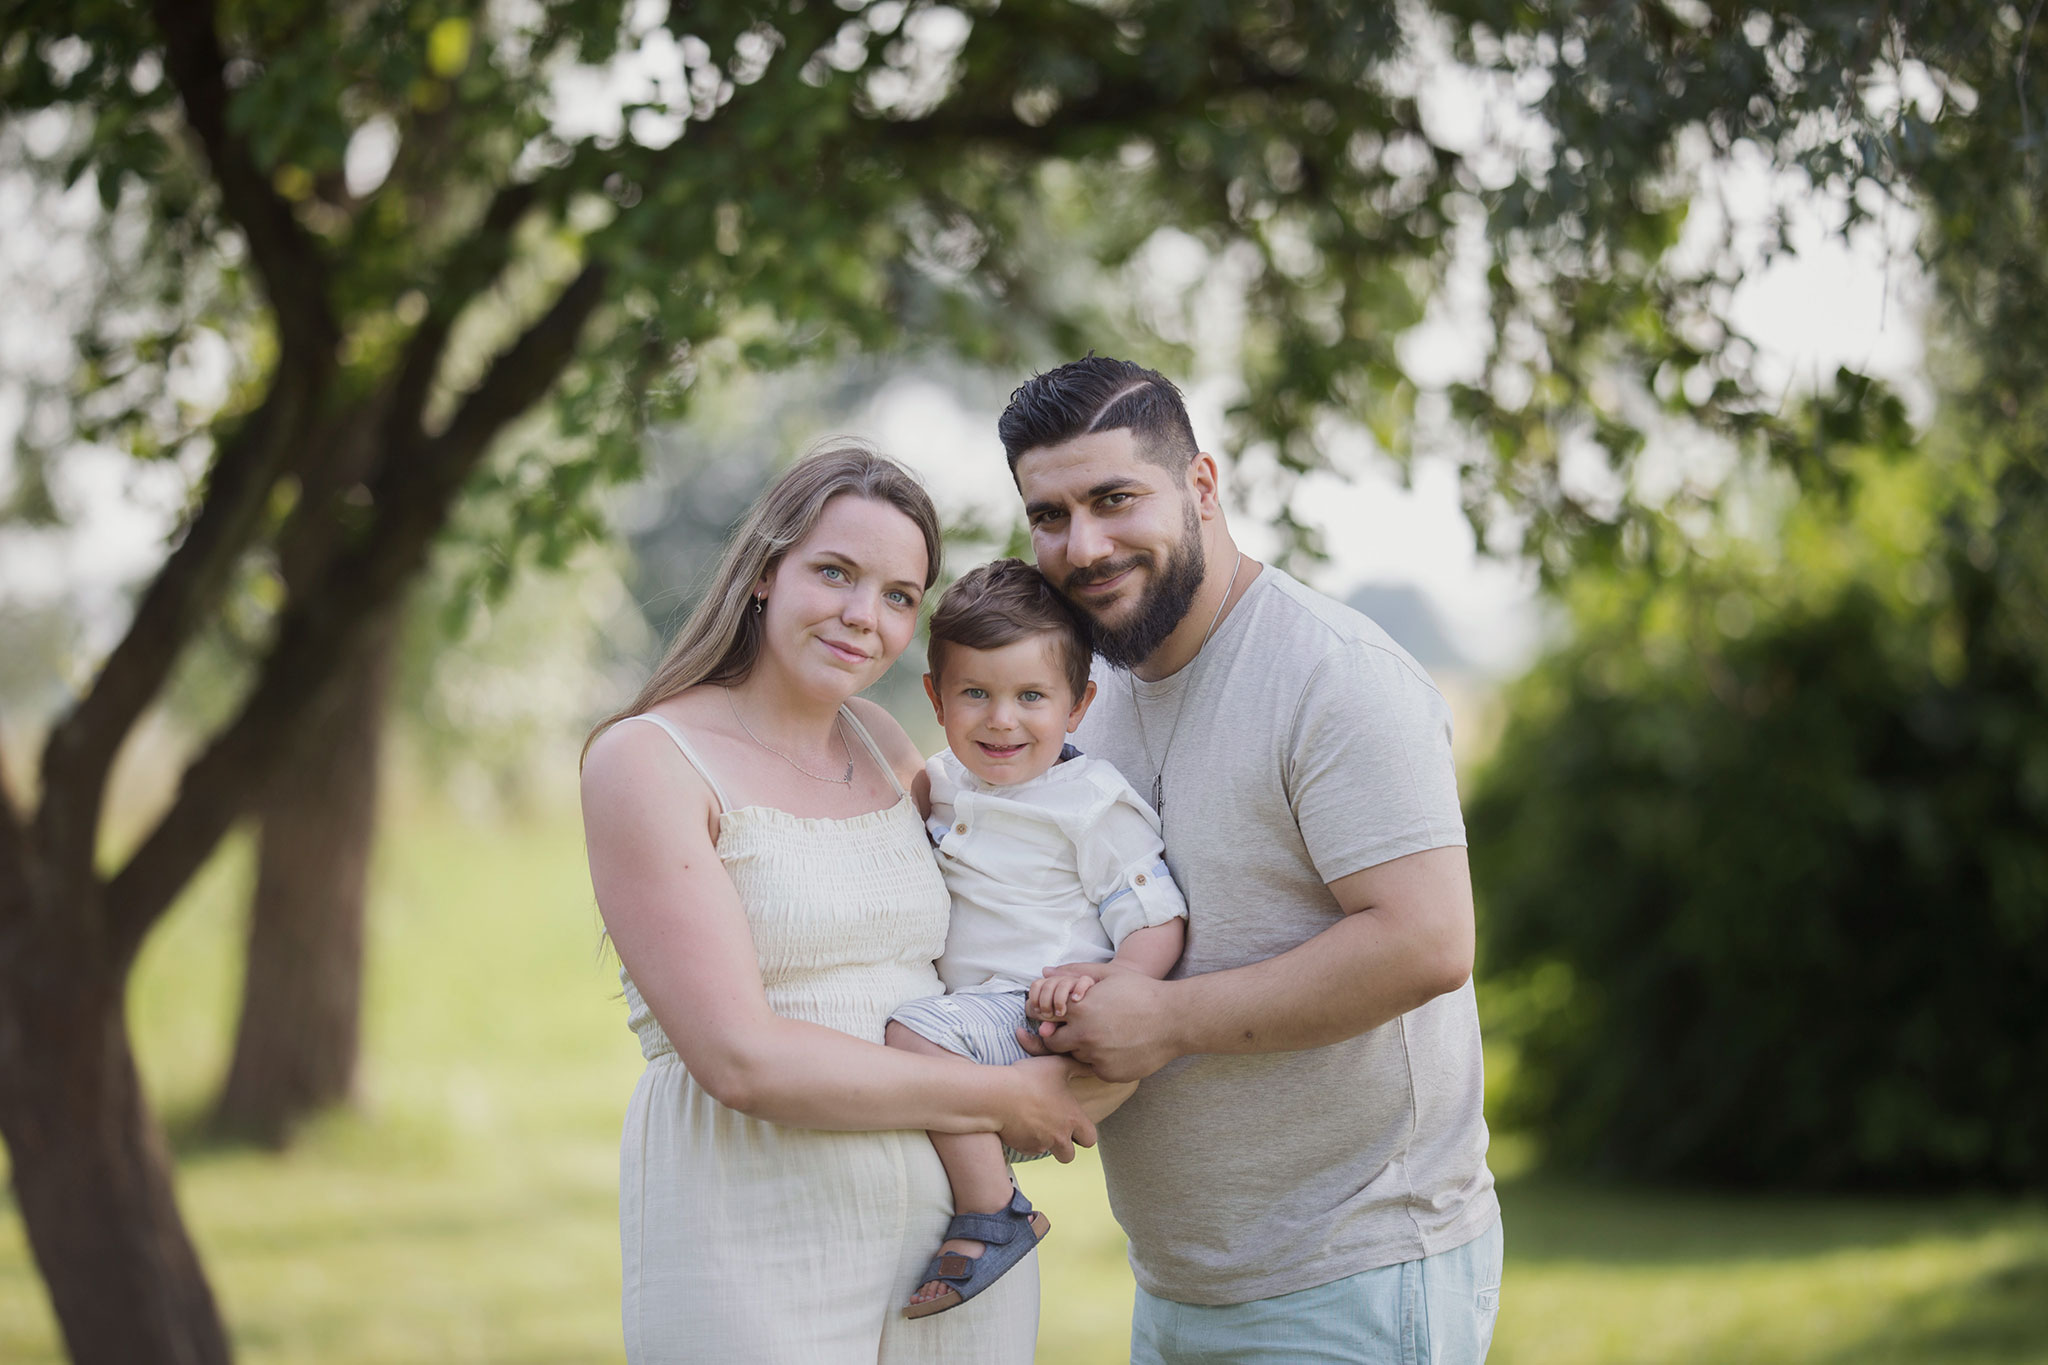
(973, 1161)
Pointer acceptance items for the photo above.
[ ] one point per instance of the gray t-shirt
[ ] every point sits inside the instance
(1312, 746)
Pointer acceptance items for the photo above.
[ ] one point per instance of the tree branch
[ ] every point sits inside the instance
(81, 746)
(521, 373)
(413, 495)
(471, 267)
(293, 272)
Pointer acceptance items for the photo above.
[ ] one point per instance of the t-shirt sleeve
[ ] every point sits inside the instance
(1369, 772)
(1123, 870)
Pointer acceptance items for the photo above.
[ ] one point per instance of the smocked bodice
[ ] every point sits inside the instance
(847, 916)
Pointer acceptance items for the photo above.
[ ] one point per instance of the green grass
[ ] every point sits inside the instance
(465, 1212)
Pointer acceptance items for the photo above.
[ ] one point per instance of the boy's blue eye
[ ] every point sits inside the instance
(1032, 696)
(974, 693)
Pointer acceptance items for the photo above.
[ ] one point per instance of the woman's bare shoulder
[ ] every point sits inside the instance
(635, 767)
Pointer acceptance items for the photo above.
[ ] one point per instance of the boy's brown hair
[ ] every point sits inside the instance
(1001, 603)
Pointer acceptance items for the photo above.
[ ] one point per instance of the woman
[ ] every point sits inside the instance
(766, 877)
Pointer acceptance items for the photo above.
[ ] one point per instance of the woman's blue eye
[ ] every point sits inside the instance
(900, 598)
(829, 570)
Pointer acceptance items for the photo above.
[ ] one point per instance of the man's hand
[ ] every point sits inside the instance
(1060, 987)
(1123, 1029)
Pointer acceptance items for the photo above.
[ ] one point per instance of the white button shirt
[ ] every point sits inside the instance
(1056, 869)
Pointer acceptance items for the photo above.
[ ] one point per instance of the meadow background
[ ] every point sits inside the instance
(466, 1211)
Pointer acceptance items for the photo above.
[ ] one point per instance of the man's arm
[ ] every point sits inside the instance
(1406, 938)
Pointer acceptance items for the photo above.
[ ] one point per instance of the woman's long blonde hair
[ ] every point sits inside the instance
(722, 637)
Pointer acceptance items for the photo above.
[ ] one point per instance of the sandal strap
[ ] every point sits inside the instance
(994, 1229)
(990, 1229)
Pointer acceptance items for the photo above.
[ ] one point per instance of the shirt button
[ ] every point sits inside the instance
(1139, 879)
(960, 828)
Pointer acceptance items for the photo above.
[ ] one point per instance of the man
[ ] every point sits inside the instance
(1303, 1173)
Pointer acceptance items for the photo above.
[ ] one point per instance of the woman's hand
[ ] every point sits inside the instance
(1046, 1114)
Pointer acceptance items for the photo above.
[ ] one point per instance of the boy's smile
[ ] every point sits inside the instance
(1007, 711)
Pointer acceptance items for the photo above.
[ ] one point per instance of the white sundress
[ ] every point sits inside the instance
(748, 1241)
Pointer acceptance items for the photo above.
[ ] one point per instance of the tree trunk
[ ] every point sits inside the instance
(296, 1045)
(92, 1175)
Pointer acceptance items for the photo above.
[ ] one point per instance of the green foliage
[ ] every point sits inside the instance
(1763, 860)
(794, 181)
(1611, 297)
(789, 180)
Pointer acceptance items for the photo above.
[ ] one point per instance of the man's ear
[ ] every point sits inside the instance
(938, 707)
(1205, 485)
(1081, 707)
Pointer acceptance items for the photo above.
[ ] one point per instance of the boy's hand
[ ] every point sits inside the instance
(1050, 995)
(1047, 1001)
(1125, 1032)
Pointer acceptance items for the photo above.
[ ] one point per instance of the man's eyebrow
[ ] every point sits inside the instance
(1115, 484)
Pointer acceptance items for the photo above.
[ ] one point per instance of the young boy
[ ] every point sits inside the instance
(1051, 859)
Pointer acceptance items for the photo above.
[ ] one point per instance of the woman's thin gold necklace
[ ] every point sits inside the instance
(1138, 713)
(846, 781)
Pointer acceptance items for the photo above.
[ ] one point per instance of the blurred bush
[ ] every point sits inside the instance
(1763, 857)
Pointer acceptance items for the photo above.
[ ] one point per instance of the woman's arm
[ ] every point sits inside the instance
(680, 929)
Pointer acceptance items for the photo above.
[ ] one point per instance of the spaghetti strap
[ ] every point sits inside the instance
(873, 748)
(703, 771)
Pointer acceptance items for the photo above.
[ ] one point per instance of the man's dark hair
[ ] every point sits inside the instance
(1001, 603)
(1100, 394)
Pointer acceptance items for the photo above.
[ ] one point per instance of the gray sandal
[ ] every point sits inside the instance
(1005, 1237)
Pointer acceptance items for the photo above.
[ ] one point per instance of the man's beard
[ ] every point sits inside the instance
(1163, 605)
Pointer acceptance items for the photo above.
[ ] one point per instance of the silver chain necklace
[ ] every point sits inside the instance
(846, 781)
(1137, 712)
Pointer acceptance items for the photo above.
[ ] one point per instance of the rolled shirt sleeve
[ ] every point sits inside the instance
(1122, 862)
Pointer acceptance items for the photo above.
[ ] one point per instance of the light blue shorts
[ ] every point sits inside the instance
(1436, 1311)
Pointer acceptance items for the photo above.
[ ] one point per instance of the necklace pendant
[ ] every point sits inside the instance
(848, 778)
(1159, 794)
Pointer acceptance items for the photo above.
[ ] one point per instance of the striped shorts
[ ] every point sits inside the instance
(979, 1025)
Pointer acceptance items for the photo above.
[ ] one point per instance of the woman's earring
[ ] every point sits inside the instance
(760, 602)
